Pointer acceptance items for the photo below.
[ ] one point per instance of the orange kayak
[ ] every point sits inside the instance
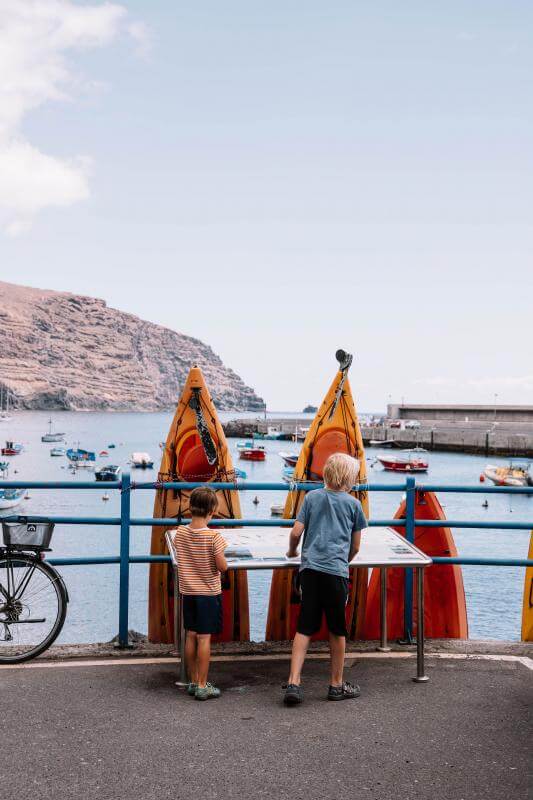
(444, 596)
(335, 429)
(195, 450)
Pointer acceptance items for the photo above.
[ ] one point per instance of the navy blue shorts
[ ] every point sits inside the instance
(202, 613)
(322, 593)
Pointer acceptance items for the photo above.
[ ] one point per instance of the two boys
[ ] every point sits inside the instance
(330, 521)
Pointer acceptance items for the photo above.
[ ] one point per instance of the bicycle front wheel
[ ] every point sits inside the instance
(33, 605)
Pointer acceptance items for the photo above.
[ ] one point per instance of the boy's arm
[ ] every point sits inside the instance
(220, 561)
(355, 545)
(294, 538)
(219, 545)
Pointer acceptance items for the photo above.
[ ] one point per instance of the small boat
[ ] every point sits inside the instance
(81, 458)
(255, 453)
(11, 449)
(287, 474)
(52, 437)
(276, 509)
(516, 474)
(108, 473)
(103, 453)
(9, 498)
(403, 464)
(57, 451)
(382, 443)
(274, 432)
(244, 445)
(300, 434)
(290, 459)
(142, 461)
(111, 446)
(240, 473)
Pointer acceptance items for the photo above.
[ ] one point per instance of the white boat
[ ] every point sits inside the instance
(142, 460)
(57, 451)
(9, 498)
(300, 434)
(52, 437)
(516, 474)
(277, 509)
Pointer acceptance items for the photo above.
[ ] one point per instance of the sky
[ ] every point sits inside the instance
(284, 178)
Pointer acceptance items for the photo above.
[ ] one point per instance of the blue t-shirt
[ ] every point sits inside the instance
(329, 518)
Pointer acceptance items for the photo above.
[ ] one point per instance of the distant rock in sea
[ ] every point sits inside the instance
(310, 410)
(65, 351)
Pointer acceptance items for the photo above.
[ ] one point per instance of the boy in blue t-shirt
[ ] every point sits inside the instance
(332, 520)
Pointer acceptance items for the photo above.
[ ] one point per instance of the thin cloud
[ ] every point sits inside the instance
(36, 38)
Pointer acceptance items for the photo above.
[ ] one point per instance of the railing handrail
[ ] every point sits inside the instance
(243, 486)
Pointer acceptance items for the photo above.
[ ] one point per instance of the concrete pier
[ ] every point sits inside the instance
(466, 436)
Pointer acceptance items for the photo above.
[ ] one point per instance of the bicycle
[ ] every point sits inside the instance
(33, 595)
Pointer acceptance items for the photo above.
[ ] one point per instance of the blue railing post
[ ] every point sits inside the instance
(124, 596)
(410, 496)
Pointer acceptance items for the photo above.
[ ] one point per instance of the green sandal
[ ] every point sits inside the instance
(207, 692)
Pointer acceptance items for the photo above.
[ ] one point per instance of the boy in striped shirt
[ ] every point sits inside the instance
(200, 556)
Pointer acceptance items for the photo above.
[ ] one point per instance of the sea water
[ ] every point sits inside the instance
(493, 594)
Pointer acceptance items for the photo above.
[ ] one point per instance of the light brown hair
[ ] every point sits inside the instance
(203, 501)
(340, 472)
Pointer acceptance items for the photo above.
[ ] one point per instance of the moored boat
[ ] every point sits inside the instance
(335, 429)
(287, 474)
(196, 450)
(382, 442)
(276, 509)
(57, 451)
(517, 473)
(444, 596)
(403, 463)
(110, 472)
(289, 459)
(11, 449)
(256, 453)
(81, 458)
(9, 498)
(50, 436)
(142, 461)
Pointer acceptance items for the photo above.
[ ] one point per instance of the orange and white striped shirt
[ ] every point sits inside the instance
(196, 551)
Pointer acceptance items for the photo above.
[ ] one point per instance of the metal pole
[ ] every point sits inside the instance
(421, 677)
(183, 680)
(383, 648)
(125, 513)
(410, 489)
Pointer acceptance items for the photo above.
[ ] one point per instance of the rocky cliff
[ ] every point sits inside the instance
(64, 351)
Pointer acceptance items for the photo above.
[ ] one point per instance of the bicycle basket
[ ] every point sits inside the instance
(27, 534)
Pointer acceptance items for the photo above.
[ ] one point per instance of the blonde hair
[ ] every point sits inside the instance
(340, 472)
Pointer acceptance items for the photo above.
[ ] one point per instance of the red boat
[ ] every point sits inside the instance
(253, 454)
(11, 449)
(404, 464)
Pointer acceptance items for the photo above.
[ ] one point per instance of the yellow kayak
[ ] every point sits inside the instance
(335, 429)
(527, 610)
(196, 450)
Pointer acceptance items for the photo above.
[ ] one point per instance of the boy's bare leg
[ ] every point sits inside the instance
(191, 643)
(204, 654)
(337, 648)
(299, 652)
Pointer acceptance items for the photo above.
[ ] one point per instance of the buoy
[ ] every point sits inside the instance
(482, 478)
(256, 501)
(485, 504)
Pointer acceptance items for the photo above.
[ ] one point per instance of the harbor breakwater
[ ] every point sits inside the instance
(467, 437)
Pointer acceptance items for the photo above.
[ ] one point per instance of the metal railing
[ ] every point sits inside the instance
(125, 521)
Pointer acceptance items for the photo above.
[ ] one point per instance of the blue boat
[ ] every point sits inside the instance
(81, 458)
